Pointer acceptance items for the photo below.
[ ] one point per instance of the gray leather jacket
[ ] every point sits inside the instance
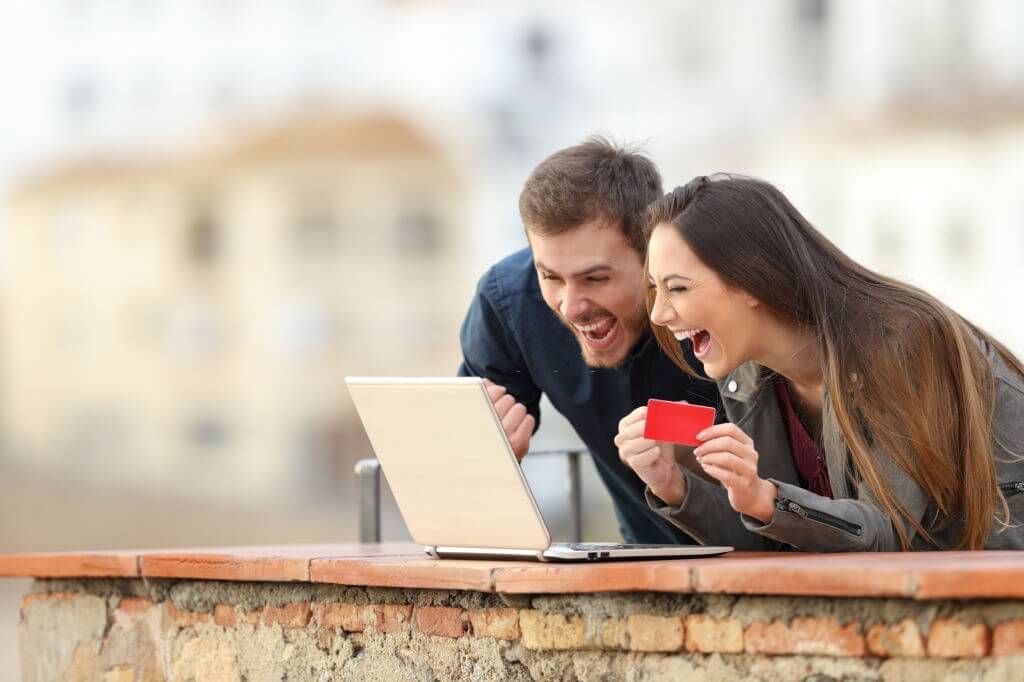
(853, 521)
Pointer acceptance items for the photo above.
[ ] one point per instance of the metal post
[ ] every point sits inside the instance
(368, 484)
(575, 495)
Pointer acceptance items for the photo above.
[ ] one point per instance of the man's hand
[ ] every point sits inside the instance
(728, 455)
(515, 420)
(653, 462)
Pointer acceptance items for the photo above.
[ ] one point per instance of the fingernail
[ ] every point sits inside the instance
(702, 435)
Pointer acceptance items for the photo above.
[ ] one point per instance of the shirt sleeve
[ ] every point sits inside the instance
(490, 350)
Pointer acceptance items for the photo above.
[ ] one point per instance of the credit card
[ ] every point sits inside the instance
(676, 422)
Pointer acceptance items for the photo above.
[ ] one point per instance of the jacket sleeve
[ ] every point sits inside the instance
(489, 350)
(813, 523)
(706, 515)
(820, 524)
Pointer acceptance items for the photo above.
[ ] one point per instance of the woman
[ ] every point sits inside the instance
(863, 414)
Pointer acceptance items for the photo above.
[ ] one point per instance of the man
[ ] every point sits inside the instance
(566, 318)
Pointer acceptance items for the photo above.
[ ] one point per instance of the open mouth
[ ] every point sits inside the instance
(700, 338)
(598, 334)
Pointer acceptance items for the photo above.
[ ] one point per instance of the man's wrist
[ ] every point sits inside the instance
(674, 492)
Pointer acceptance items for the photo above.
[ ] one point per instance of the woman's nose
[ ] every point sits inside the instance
(661, 314)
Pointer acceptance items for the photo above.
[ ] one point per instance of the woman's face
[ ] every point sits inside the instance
(693, 303)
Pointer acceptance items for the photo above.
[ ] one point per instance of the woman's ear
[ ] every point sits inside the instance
(750, 300)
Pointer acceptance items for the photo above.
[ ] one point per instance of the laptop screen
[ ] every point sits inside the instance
(448, 462)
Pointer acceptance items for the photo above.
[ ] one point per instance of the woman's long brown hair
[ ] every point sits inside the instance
(905, 374)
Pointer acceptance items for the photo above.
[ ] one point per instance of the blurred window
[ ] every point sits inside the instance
(304, 327)
(418, 233)
(315, 232)
(812, 14)
(80, 99)
(73, 228)
(195, 329)
(206, 432)
(226, 96)
(94, 436)
(74, 333)
(537, 49)
(959, 243)
(811, 49)
(889, 246)
(203, 239)
(320, 456)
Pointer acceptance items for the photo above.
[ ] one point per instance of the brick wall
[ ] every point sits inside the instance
(164, 630)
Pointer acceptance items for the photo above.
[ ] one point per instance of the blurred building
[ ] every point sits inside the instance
(222, 222)
(189, 319)
(931, 195)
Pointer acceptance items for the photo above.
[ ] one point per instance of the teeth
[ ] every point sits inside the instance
(686, 334)
(591, 327)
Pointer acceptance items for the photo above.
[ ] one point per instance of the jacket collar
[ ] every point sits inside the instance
(743, 383)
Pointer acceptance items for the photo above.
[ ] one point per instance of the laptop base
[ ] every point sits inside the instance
(580, 552)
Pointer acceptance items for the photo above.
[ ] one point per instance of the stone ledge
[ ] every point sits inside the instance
(169, 629)
(918, 575)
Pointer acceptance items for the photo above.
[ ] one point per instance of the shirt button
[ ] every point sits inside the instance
(733, 386)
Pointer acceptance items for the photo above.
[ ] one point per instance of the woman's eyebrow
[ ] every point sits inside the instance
(666, 278)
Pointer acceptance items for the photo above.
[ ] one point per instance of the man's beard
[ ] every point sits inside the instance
(632, 327)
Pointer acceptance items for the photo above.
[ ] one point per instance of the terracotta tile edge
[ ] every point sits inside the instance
(365, 571)
(635, 578)
(822, 584)
(221, 567)
(84, 565)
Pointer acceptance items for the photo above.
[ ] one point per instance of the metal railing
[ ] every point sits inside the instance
(369, 492)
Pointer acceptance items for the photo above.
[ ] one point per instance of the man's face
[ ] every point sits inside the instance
(594, 281)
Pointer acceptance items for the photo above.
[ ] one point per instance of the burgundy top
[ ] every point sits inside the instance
(807, 456)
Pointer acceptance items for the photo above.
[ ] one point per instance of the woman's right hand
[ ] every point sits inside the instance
(653, 461)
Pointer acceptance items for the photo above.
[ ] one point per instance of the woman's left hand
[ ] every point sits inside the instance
(728, 455)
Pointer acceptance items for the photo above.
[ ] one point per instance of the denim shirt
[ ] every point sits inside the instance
(513, 338)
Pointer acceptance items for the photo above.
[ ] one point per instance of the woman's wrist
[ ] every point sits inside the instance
(674, 491)
(764, 501)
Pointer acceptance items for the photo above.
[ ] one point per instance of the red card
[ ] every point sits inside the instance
(676, 422)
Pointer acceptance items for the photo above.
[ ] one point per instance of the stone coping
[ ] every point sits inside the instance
(912, 575)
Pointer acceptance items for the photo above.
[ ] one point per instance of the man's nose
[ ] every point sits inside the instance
(573, 304)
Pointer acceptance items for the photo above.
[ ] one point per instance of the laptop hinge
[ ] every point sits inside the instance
(432, 551)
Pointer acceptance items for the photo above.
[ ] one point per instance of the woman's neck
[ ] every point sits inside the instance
(793, 353)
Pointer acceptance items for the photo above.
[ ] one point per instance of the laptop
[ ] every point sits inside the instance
(457, 483)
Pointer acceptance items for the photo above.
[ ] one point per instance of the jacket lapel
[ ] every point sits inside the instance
(750, 403)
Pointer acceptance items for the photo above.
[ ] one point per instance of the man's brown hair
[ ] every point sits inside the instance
(592, 180)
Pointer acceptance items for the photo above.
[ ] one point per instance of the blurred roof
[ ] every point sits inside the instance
(956, 115)
(334, 137)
